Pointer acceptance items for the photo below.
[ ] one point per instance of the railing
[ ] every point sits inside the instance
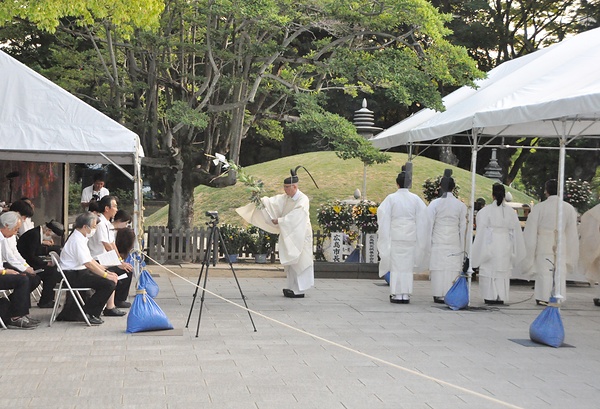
(187, 245)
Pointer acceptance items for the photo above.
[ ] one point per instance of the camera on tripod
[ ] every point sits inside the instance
(214, 216)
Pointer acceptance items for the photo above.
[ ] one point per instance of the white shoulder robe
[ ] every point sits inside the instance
(294, 229)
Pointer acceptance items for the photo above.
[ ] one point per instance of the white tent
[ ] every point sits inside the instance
(41, 122)
(554, 92)
(548, 93)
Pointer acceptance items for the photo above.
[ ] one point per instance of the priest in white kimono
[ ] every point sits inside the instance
(402, 238)
(498, 247)
(589, 250)
(287, 214)
(540, 239)
(448, 222)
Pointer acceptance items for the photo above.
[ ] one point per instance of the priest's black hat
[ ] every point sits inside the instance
(293, 178)
(56, 227)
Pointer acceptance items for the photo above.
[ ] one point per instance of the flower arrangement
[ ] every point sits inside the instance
(260, 241)
(431, 188)
(234, 238)
(334, 216)
(364, 214)
(578, 193)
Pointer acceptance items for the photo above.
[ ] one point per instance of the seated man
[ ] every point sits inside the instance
(31, 245)
(104, 241)
(10, 279)
(83, 271)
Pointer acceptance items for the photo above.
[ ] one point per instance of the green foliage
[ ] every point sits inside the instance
(180, 112)
(337, 131)
(431, 188)
(75, 198)
(125, 197)
(123, 14)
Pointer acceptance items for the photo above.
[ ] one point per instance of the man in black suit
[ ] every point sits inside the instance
(34, 243)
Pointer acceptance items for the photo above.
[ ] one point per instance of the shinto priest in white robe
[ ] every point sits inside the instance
(448, 220)
(498, 248)
(540, 241)
(402, 239)
(295, 235)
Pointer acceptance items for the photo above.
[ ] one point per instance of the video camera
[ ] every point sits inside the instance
(214, 216)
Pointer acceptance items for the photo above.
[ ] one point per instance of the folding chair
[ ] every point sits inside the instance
(64, 287)
(3, 293)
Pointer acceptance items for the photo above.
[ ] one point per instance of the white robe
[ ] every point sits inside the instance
(589, 247)
(402, 239)
(448, 222)
(498, 248)
(295, 235)
(540, 240)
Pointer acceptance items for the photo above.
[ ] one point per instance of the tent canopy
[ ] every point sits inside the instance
(41, 122)
(548, 93)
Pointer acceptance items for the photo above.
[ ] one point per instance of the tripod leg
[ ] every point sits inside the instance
(211, 239)
(224, 248)
(205, 263)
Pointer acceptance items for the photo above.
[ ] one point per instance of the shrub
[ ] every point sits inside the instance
(234, 238)
(260, 241)
(334, 216)
(431, 187)
(578, 193)
(364, 214)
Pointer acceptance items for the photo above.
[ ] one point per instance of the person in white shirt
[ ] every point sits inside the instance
(11, 279)
(82, 270)
(104, 241)
(94, 192)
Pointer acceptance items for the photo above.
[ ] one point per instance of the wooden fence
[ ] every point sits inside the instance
(188, 245)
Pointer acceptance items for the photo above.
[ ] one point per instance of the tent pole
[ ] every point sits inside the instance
(558, 255)
(471, 214)
(65, 207)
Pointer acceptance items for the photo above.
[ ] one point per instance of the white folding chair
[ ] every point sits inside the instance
(64, 287)
(3, 293)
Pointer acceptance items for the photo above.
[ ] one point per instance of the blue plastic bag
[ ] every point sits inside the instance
(386, 277)
(146, 315)
(548, 328)
(457, 296)
(147, 283)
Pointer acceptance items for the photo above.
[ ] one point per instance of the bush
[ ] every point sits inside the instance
(431, 188)
(578, 193)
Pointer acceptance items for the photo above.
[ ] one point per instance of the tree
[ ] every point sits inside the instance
(217, 69)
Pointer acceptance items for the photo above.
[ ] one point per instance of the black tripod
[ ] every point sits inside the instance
(215, 239)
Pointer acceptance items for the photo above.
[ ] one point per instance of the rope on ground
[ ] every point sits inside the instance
(374, 358)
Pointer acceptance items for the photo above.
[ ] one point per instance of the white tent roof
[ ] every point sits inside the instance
(528, 96)
(40, 121)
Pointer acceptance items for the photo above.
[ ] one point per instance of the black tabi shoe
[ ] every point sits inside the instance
(597, 302)
(438, 300)
(94, 320)
(114, 312)
(406, 301)
(290, 294)
(494, 302)
(396, 301)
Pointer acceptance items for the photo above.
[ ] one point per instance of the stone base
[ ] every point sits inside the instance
(324, 269)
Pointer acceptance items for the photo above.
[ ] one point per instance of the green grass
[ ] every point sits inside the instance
(336, 178)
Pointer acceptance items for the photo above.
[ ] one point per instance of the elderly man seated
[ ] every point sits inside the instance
(82, 270)
(10, 279)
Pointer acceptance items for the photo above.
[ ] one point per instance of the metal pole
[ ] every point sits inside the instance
(471, 216)
(558, 255)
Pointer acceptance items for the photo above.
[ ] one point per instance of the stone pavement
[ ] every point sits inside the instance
(415, 356)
